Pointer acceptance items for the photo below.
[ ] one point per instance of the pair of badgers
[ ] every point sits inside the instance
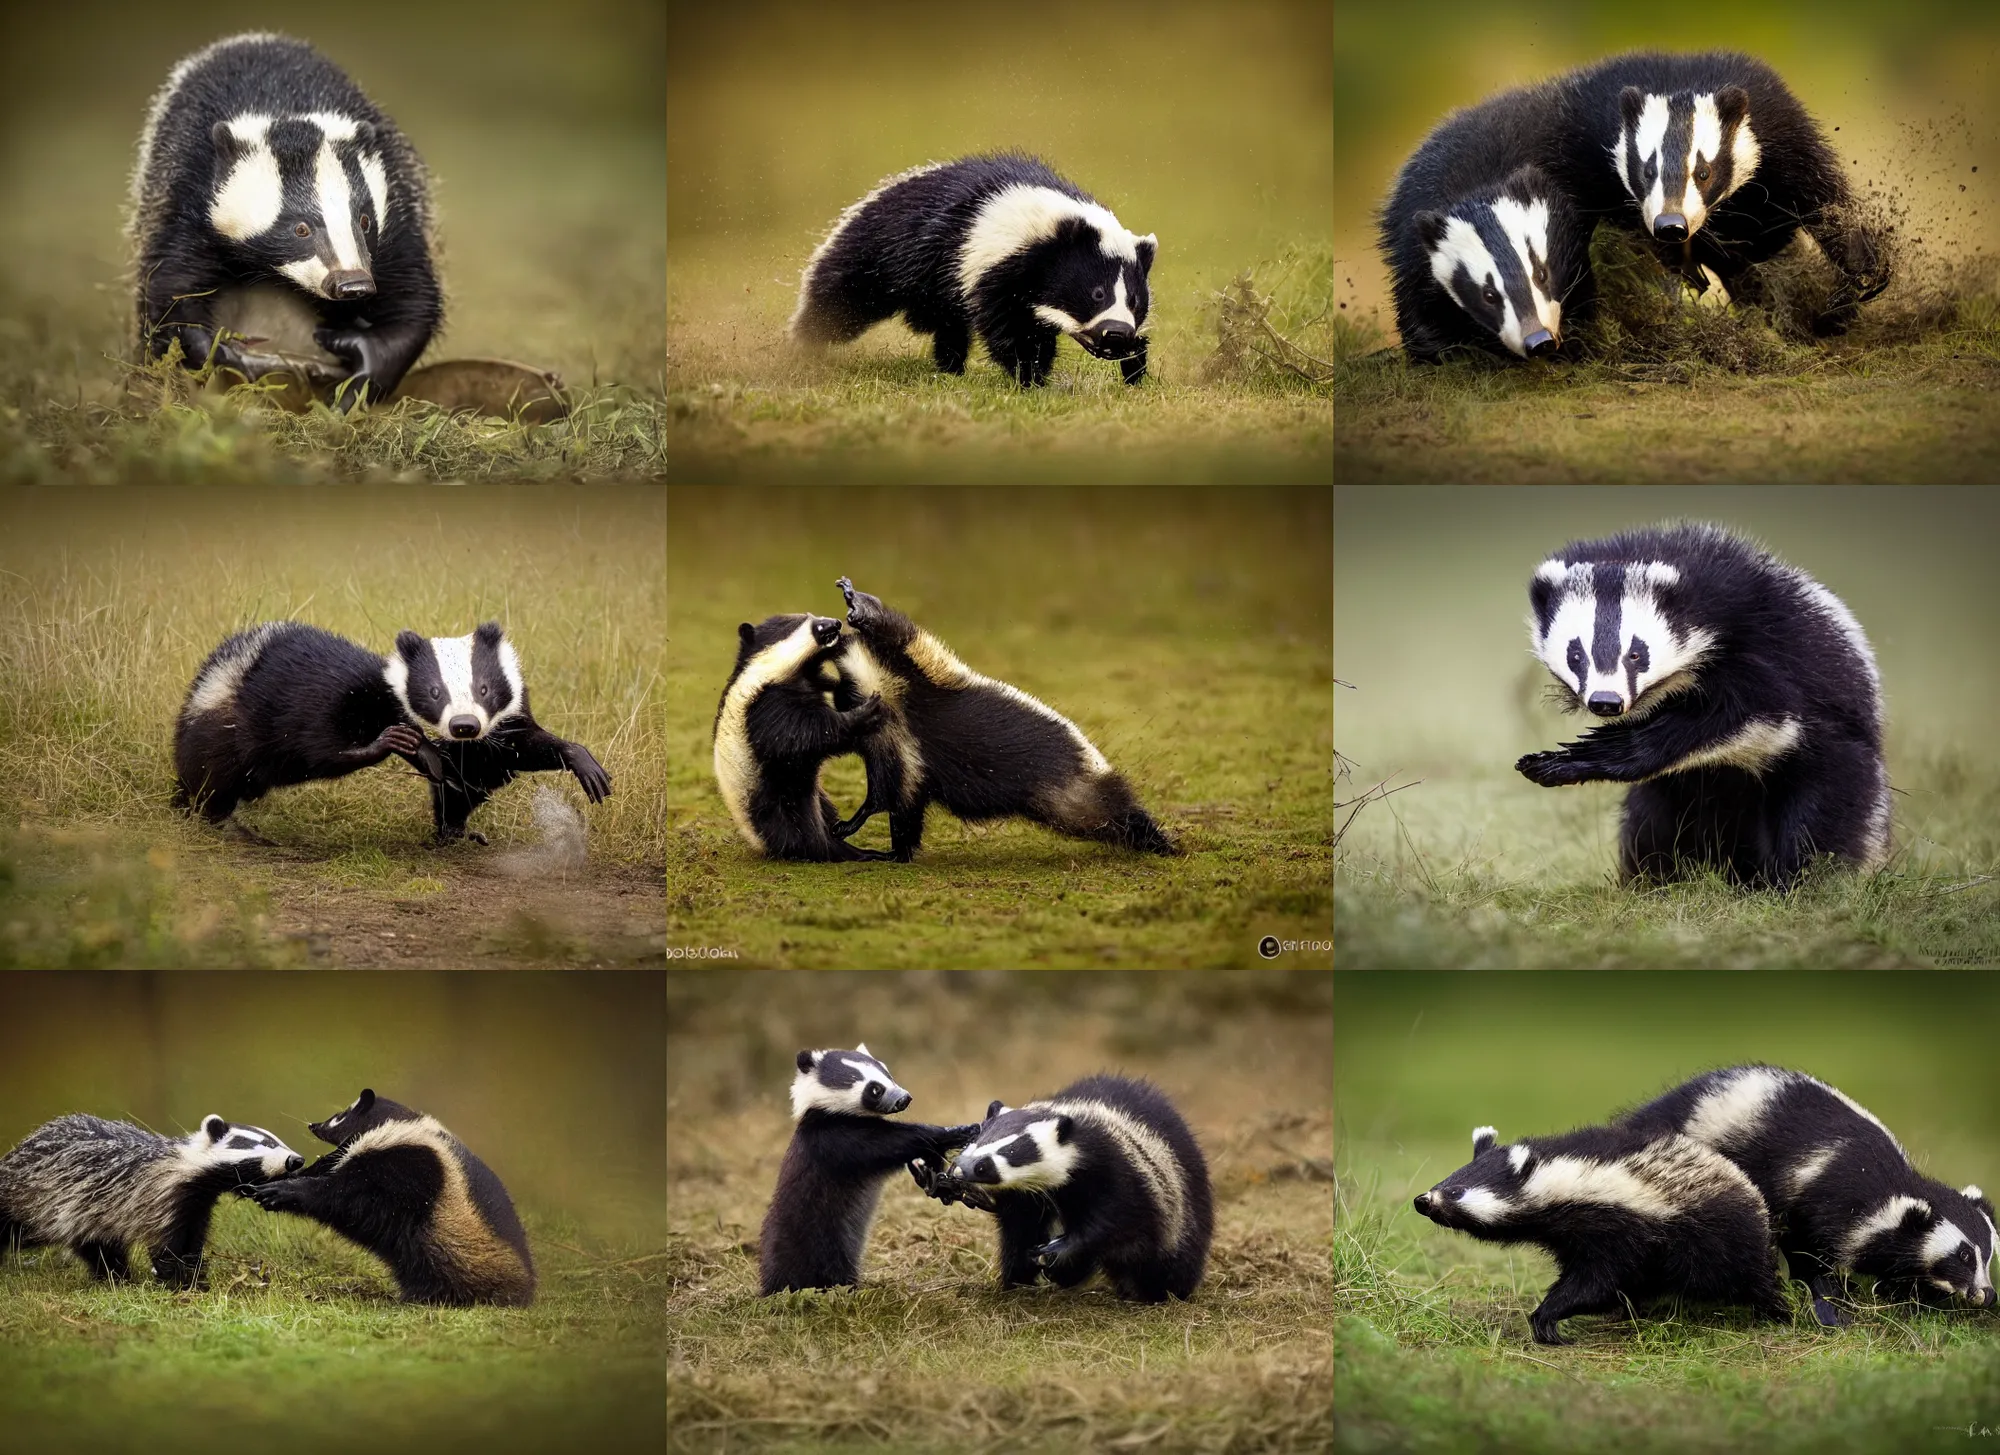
(1104, 1175)
(1709, 156)
(1686, 1195)
(398, 1184)
(283, 703)
(928, 727)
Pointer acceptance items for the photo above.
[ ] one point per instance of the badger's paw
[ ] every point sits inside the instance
(589, 773)
(862, 609)
(1055, 1252)
(271, 1196)
(1550, 770)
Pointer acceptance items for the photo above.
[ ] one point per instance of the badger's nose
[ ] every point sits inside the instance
(348, 284)
(1539, 344)
(896, 1103)
(294, 1162)
(1670, 227)
(465, 726)
(1423, 1201)
(1606, 704)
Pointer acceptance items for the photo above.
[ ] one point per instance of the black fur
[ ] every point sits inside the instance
(309, 705)
(1713, 1247)
(900, 254)
(827, 1187)
(1474, 156)
(1814, 1217)
(1109, 1216)
(1798, 182)
(182, 260)
(983, 754)
(1777, 656)
(387, 1200)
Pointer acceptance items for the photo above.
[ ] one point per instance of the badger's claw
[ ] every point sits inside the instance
(1550, 770)
(861, 607)
(1053, 1252)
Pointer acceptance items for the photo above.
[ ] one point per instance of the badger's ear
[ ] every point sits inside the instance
(1064, 1126)
(1484, 1139)
(364, 133)
(215, 1127)
(807, 1060)
(1430, 229)
(1916, 1219)
(364, 1101)
(746, 634)
(1631, 102)
(1732, 104)
(408, 643)
(1148, 246)
(490, 633)
(863, 1049)
(227, 147)
(994, 1108)
(1972, 1194)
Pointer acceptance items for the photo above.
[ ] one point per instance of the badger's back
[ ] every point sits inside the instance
(80, 1179)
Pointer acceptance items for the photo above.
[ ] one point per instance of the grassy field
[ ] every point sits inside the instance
(926, 1355)
(1184, 631)
(547, 157)
(556, 1081)
(1208, 128)
(1432, 1351)
(1472, 865)
(109, 601)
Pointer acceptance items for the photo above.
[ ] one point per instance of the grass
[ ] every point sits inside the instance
(1432, 1350)
(109, 601)
(926, 1355)
(1185, 631)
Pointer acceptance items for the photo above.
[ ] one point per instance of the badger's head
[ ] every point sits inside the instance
(305, 197)
(1026, 1149)
(1504, 259)
(367, 1112)
(458, 687)
(1930, 1249)
(1614, 633)
(1078, 266)
(852, 1083)
(1486, 1190)
(1680, 154)
(236, 1154)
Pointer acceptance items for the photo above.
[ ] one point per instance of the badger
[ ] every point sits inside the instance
(97, 1187)
(1712, 157)
(981, 748)
(1485, 249)
(997, 245)
(1103, 1175)
(1840, 1188)
(261, 162)
(776, 725)
(1740, 698)
(401, 1186)
(1625, 1214)
(283, 703)
(842, 1150)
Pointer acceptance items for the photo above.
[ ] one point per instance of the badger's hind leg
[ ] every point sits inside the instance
(106, 1261)
(950, 347)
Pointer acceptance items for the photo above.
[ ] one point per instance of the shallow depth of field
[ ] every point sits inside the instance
(543, 136)
(1671, 394)
(927, 1354)
(1184, 631)
(300, 1342)
(1206, 125)
(1432, 1347)
(1472, 865)
(110, 601)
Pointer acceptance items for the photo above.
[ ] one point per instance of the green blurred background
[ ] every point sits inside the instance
(540, 125)
(1870, 69)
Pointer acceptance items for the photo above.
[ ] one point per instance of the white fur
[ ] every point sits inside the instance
(1648, 137)
(1518, 1155)
(1487, 1134)
(1807, 1169)
(336, 204)
(216, 687)
(1482, 1204)
(252, 196)
(1055, 1161)
(1754, 747)
(736, 771)
(1461, 246)
(1734, 1108)
(156, 110)
(1672, 661)
(1885, 1217)
(1022, 214)
(378, 191)
(810, 1093)
(1580, 1179)
(1527, 228)
(1147, 1152)
(869, 677)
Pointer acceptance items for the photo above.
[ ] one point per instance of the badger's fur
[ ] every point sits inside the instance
(283, 702)
(1625, 1214)
(408, 1191)
(842, 1149)
(981, 748)
(1484, 248)
(97, 1187)
(1712, 157)
(1741, 702)
(1103, 1175)
(261, 161)
(997, 245)
(1840, 1188)
(774, 728)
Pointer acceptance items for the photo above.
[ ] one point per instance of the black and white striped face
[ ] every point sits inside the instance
(1492, 257)
(850, 1082)
(252, 1153)
(1486, 1189)
(1937, 1246)
(1026, 1150)
(1086, 272)
(1609, 632)
(1679, 155)
(458, 687)
(307, 196)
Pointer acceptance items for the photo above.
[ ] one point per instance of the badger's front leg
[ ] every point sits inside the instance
(398, 738)
(1663, 743)
(1133, 365)
(376, 358)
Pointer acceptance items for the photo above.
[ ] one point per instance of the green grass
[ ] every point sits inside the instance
(1432, 1349)
(1184, 631)
(926, 1354)
(110, 600)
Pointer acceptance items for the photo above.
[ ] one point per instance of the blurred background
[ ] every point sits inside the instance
(1909, 87)
(540, 127)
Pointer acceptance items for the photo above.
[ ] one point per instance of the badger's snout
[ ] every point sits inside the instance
(1539, 344)
(465, 725)
(826, 630)
(1111, 339)
(293, 1163)
(349, 284)
(1670, 227)
(1606, 704)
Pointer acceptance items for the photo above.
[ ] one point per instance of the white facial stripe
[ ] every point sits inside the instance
(1517, 1157)
(308, 273)
(1705, 145)
(1754, 747)
(336, 206)
(1527, 228)
(253, 195)
(1670, 661)
(1885, 1217)
(333, 126)
(1145, 1150)
(1049, 314)
(1483, 1204)
(1461, 246)
(1020, 215)
(1942, 1241)
(1650, 139)
(252, 126)
(1744, 153)
(378, 190)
